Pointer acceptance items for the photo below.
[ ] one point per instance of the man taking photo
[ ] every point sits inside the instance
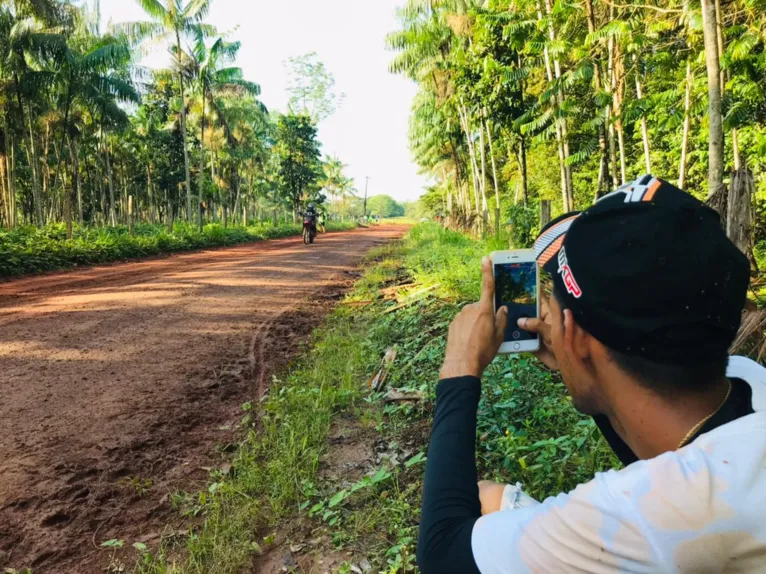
(640, 333)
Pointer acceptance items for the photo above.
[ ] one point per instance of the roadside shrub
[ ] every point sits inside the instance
(28, 249)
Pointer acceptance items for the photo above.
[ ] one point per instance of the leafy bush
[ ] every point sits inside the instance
(33, 250)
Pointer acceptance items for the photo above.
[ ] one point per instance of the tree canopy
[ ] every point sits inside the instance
(384, 206)
(523, 102)
(87, 135)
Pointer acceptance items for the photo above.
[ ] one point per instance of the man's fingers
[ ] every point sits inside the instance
(533, 325)
(487, 285)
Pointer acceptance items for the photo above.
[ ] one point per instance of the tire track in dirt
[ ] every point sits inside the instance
(117, 383)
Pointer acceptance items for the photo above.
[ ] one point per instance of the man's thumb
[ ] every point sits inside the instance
(501, 321)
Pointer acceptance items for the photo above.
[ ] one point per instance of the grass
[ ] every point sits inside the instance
(28, 250)
(528, 430)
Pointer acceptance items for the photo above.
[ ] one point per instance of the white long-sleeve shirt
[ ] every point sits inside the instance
(699, 509)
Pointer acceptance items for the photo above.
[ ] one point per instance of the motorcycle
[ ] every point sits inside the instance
(309, 230)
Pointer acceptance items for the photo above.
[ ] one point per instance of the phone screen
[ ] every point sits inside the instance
(516, 288)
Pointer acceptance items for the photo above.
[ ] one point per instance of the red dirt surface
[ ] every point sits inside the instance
(117, 383)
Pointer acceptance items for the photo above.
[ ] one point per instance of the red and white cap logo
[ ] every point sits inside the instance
(567, 276)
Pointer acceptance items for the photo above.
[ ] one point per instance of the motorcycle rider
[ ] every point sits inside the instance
(311, 214)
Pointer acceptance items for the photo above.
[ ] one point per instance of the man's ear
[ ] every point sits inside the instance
(577, 341)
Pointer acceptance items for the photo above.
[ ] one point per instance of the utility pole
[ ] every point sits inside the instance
(366, 186)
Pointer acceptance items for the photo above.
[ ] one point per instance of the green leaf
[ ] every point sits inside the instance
(417, 459)
(113, 543)
(381, 475)
(337, 499)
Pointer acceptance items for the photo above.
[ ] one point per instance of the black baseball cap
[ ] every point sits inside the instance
(649, 272)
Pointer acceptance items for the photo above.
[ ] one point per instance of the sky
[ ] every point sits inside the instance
(369, 131)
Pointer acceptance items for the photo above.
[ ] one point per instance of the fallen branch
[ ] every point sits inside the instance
(392, 290)
(357, 303)
(395, 396)
(413, 298)
(378, 382)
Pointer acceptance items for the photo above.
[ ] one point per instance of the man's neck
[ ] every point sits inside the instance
(651, 424)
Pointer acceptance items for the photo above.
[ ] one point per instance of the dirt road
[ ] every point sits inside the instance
(118, 383)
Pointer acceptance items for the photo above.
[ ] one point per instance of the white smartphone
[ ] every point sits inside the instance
(517, 285)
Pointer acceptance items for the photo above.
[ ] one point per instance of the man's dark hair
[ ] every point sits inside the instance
(667, 380)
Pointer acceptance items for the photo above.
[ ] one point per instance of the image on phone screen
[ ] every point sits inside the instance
(516, 288)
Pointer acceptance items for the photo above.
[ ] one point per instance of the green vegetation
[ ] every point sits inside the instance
(528, 430)
(384, 206)
(532, 103)
(30, 249)
(89, 137)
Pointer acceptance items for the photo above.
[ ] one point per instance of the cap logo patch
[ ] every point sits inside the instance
(567, 276)
(642, 189)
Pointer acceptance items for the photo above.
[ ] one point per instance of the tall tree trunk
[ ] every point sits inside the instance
(545, 212)
(724, 77)
(237, 197)
(125, 193)
(715, 114)
(618, 91)
(100, 168)
(48, 191)
(611, 83)
(603, 174)
(4, 195)
(169, 214)
(201, 176)
(739, 222)
(187, 169)
(110, 179)
(131, 229)
(560, 136)
(216, 199)
(67, 202)
(687, 126)
(150, 193)
(34, 165)
(10, 161)
(471, 152)
(494, 178)
(522, 143)
(644, 126)
(484, 205)
(569, 204)
(76, 183)
(5, 179)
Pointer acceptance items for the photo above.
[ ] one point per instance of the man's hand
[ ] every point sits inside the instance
(542, 328)
(476, 333)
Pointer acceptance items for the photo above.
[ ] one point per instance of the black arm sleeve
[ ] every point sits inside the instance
(451, 503)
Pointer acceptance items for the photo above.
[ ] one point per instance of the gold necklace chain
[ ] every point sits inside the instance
(699, 425)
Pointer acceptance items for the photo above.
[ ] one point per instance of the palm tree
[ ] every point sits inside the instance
(216, 83)
(173, 21)
(346, 190)
(33, 42)
(90, 76)
(332, 169)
